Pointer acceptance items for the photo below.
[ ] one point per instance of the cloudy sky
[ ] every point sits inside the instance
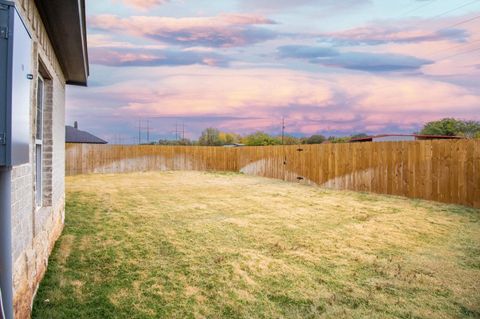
(327, 66)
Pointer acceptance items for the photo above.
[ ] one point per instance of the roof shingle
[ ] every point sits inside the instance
(73, 135)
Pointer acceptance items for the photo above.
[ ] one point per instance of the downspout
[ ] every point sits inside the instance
(6, 263)
(6, 275)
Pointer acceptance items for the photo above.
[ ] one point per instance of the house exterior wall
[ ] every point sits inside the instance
(35, 230)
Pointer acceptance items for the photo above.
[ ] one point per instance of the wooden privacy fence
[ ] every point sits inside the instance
(445, 171)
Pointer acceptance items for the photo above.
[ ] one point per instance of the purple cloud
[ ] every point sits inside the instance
(305, 51)
(361, 61)
(125, 57)
(373, 62)
(227, 30)
(377, 35)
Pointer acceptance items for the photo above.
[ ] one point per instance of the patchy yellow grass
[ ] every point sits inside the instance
(212, 245)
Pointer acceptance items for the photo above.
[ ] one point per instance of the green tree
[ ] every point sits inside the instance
(184, 141)
(452, 127)
(229, 138)
(260, 139)
(210, 137)
(359, 135)
(471, 129)
(446, 126)
(315, 139)
(162, 142)
(335, 140)
(290, 140)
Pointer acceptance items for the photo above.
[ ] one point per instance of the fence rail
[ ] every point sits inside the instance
(445, 171)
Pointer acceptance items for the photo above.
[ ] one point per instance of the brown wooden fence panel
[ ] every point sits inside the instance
(445, 171)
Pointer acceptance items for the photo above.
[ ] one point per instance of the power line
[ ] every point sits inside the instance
(454, 9)
(439, 57)
(463, 22)
(455, 25)
(462, 45)
(459, 46)
(419, 7)
(452, 25)
(444, 14)
(460, 53)
(143, 127)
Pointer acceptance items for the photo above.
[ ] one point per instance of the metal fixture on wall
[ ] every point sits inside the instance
(15, 79)
(15, 83)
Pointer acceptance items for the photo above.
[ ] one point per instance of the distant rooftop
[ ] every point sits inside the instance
(404, 137)
(234, 145)
(74, 135)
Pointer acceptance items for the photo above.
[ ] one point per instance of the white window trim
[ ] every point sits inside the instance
(39, 142)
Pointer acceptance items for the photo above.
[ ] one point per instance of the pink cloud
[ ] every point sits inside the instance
(325, 5)
(310, 102)
(406, 95)
(110, 57)
(143, 4)
(374, 35)
(450, 59)
(107, 41)
(227, 30)
(446, 29)
(126, 57)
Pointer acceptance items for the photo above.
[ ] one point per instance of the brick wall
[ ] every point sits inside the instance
(34, 231)
(22, 199)
(58, 134)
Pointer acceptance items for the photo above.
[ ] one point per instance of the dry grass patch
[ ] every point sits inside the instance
(211, 245)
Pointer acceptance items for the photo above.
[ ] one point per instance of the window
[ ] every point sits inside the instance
(39, 142)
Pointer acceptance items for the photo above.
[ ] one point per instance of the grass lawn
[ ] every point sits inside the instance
(212, 245)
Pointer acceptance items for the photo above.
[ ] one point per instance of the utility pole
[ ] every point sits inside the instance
(176, 131)
(183, 131)
(148, 131)
(284, 151)
(139, 132)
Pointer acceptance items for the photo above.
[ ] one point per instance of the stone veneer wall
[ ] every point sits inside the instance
(34, 231)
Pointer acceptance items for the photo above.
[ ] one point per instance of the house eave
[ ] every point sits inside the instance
(65, 23)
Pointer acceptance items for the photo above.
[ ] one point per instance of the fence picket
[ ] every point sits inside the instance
(446, 171)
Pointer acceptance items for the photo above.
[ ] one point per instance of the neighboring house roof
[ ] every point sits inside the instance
(65, 24)
(234, 145)
(417, 136)
(74, 135)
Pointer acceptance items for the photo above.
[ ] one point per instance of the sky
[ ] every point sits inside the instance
(328, 67)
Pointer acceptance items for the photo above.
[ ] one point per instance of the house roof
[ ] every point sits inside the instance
(73, 135)
(234, 145)
(418, 136)
(65, 24)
